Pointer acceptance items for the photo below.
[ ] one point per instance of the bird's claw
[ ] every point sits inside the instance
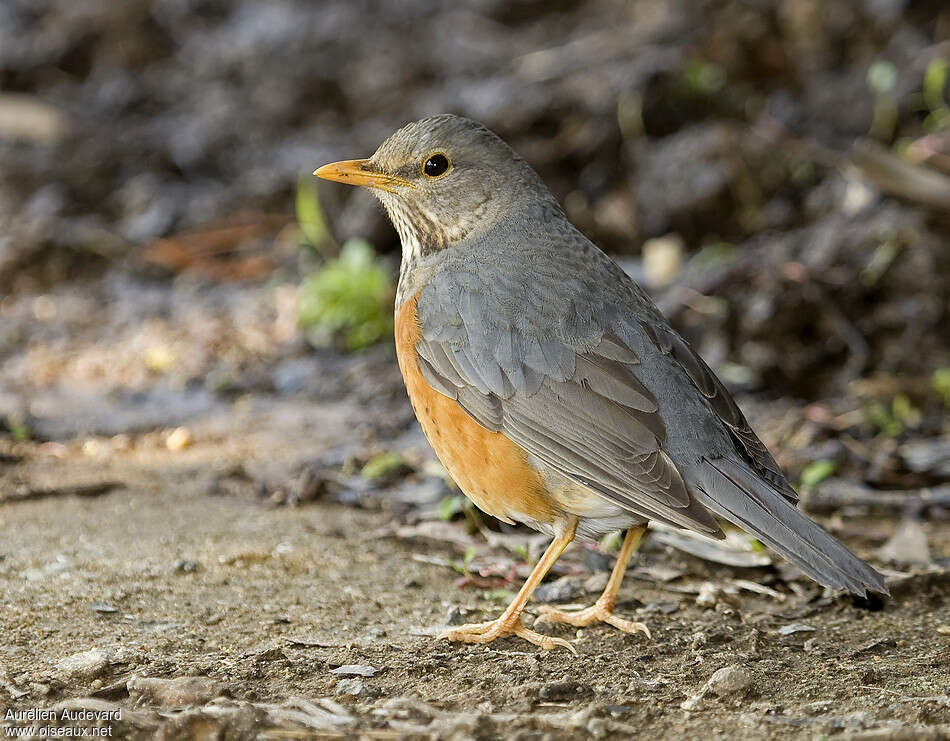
(596, 613)
(499, 628)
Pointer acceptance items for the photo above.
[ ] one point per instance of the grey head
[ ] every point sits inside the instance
(441, 180)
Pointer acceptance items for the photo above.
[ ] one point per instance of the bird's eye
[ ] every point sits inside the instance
(436, 166)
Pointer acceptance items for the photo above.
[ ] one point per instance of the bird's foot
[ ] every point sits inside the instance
(599, 612)
(505, 625)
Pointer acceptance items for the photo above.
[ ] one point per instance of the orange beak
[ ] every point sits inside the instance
(360, 172)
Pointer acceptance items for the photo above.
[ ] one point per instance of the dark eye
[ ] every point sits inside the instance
(436, 165)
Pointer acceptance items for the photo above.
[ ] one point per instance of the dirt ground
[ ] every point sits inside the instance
(122, 560)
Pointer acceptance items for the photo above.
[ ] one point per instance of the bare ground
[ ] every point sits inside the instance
(163, 576)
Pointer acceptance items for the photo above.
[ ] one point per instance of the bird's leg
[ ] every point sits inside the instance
(509, 622)
(602, 609)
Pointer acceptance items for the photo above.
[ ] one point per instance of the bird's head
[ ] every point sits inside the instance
(441, 180)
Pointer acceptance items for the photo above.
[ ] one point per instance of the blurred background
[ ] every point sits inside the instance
(195, 333)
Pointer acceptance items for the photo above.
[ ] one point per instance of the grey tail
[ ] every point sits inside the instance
(739, 495)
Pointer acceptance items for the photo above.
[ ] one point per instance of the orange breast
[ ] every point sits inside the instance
(490, 469)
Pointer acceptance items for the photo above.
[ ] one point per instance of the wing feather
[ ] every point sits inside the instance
(586, 415)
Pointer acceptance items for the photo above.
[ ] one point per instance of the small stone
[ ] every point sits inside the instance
(664, 607)
(184, 566)
(355, 670)
(730, 680)
(353, 686)
(708, 594)
(178, 439)
(564, 691)
(792, 628)
(662, 258)
(103, 608)
(175, 692)
(596, 582)
(908, 545)
(563, 590)
(454, 616)
(943, 630)
(86, 665)
(596, 561)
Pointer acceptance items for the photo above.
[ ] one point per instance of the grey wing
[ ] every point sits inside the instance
(721, 401)
(581, 411)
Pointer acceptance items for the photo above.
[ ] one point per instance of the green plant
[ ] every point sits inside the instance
(450, 506)
(465, 566)
(382, 465)
(349, 300)
(498, 595)
(891, 421)
(19, 430)
(816, 472)
(310, 218)
(881, 79)
(935, 80)
(941, 385)
(702, 78)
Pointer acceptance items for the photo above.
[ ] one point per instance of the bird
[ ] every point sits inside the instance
(552, 388)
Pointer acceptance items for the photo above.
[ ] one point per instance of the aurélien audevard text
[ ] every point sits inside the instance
(79, 714)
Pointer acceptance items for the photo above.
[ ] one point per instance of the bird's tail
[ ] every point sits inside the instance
(737, 494)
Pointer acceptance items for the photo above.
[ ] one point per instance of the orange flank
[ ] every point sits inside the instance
(489, 468)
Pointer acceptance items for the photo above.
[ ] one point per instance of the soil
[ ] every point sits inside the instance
(169, 579)
(183, 562)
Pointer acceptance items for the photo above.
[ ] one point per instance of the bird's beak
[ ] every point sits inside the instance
(360, 172)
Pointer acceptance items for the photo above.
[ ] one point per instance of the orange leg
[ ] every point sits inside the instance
(602, 609)
(509, 622)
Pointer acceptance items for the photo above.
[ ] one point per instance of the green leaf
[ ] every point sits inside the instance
(381, 464)
(941, 384)
(310, 217)
(816, 472)
(19, 431)
(704, 78)
(935, 79)
(498, 595)
(349, 300)
(450, 506)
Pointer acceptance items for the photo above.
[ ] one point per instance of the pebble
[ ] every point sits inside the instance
(178, 439)
(564, 691)
(353, 686)
(355, 670)
(102, 607)
(662, 259)
(454, 616)
(596, 561)
(177, 691)
(730, 680)
(708, 594)
(85, 665)
(563, 590)
(596, 582)
(792, 628)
